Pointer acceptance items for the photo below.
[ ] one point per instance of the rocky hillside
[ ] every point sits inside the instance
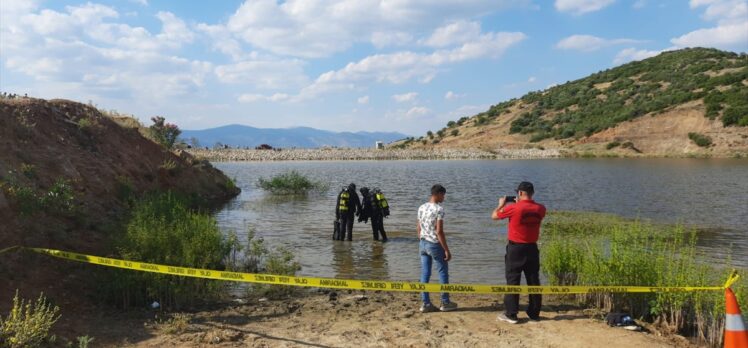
(68, 173)
(679, 103)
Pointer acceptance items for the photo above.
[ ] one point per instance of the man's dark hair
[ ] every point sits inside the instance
(437, 189)
(527, 187)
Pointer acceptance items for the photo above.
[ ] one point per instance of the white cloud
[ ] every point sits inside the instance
(313, 29)
(532, 79)
(363, 100)
(85, 51)
(452, 95)
(251, 98)
(731, 32)
(400, 67)
(264, 74)
(639, 4)
(630, 54)
(140, 2)
(417, 111)
(589, 43)
(405, 97)
(579, 7)
(381, 39)
(455, 33)
(728, 37)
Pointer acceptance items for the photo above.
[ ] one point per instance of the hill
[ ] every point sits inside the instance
(68, 173)
(684, 102)
(301, 137)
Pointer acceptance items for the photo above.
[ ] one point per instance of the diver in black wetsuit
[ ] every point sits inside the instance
(347, 206)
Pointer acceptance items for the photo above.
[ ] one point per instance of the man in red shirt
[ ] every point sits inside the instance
(522, 253)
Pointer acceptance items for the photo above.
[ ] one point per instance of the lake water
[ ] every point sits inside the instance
(710, 194)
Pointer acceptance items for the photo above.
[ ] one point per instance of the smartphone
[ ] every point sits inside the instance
(511, 199)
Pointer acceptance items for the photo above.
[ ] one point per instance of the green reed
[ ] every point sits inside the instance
(597, 249)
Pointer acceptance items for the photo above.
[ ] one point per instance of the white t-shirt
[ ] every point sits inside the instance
(428, 214)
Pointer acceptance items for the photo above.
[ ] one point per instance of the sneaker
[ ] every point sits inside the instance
(447, 307)
(535, 319)
(511, 320)
(427, 307)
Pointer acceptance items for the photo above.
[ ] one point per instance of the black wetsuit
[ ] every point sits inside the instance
(377, 219)
(346, 217)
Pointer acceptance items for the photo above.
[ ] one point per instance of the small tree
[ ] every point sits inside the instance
(164, 133)
(430, 134)
(455, 132)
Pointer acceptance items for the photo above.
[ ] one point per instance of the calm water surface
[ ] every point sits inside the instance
(710, 194)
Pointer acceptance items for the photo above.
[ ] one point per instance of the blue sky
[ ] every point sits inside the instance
(389, 65)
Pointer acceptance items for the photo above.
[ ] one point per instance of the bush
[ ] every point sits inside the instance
(612, 145)
(162, 229)
(700, 139)
(292, 182)
(258, 258)
(164, 133)
(59, 199)
(596, 249)
(27, 325)
(454, 132)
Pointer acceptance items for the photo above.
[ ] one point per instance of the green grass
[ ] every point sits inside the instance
(290, 183)
(595, 249)
(162, 229)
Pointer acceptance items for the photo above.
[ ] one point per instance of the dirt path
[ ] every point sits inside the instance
(386, 320)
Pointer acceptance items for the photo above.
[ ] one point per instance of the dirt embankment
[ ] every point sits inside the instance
(356, 319)
(43, 142)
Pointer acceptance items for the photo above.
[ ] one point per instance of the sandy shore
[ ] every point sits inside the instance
(357, 319)
(336, 154)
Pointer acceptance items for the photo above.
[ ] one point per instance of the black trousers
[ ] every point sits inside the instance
(346, 226)
(377, 227)
(522, 258)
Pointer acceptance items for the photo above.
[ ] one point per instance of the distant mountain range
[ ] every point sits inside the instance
(300, 137)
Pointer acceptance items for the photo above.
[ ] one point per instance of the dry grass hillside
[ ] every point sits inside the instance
(692, 102)
(67, 174)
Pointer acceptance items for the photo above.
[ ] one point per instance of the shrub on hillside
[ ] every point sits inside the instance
(700, 139)
(164, 133)
(612, 145)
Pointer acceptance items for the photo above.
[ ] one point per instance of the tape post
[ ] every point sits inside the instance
(376, 285)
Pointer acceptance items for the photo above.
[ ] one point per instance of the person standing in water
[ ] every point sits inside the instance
(347, 206)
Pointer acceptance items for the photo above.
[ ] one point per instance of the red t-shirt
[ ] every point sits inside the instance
(524, 220)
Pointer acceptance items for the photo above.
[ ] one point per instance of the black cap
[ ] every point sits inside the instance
(352, 186)
(526, 186)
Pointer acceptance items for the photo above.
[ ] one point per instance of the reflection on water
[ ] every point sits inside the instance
(712, 194)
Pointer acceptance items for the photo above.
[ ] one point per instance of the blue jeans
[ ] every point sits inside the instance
(433, 253)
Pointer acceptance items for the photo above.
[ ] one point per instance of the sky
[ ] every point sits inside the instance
(347, 65)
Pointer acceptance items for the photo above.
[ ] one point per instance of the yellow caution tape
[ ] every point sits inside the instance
(364, 284)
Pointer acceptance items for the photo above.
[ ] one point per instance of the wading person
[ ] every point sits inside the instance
(380, 209)
(522, 255)
(347, 206)
(433, 247)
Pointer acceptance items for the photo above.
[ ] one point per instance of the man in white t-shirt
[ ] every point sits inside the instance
(433, 247)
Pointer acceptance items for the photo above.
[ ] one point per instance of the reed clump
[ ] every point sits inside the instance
(290, 183)
(596, 249)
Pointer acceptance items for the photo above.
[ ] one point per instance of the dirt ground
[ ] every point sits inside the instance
(358, 319)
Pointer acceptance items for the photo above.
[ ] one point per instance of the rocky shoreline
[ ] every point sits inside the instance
(341, 154)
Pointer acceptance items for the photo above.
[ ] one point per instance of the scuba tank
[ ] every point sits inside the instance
(381, 202)
(344, 197)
